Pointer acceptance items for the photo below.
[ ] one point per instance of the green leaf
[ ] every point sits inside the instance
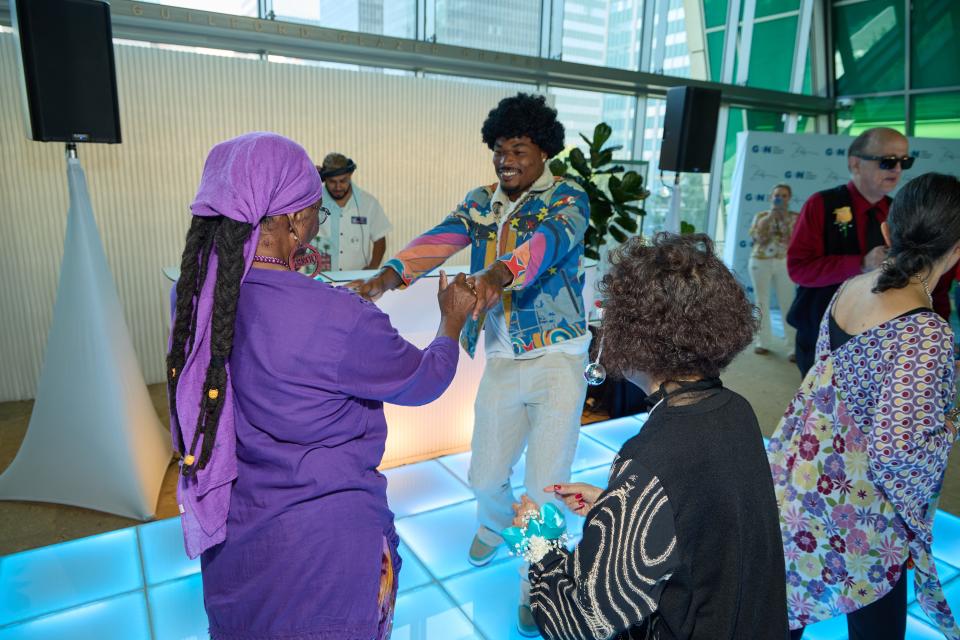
(632, 182)
(604, 157)
(601, 133)
(587, 140)
(618, 235)
(616, 190)
(558, 167)
(686, 227)
(627, 224)
(593, 191)
(617, 168)
(590, 237)
(600, 212)
(591, 253)
(579, 163)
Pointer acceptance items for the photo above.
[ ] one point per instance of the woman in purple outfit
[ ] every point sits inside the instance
(277, 384)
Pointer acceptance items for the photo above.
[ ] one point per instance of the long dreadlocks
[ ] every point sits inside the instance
(228, 237)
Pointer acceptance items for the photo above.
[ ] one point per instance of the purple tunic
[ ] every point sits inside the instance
(311, 366)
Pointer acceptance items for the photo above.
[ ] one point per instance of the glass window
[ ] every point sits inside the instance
(934, 45)
(872, 112)
(808, 74)
(771, 54)
(869, 55)
(508, 26)
(233, 7)
(395, 18)
(714, 13)
(674, 50)
(774, 7)
(936, 115)
(715, 53)
(581, 111)
(598, 35)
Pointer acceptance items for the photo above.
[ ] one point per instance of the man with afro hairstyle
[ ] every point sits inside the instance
(525, 234)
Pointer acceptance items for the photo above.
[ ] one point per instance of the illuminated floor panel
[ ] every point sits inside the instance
(429, 614)
(177, 609)
(121, 617)
(423, 487)
(118, 584)
(161, 544)
(590, 453)
(61, 576)
(613, 433)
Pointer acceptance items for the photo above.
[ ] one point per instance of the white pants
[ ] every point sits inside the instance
(767, 272)
(535, 403)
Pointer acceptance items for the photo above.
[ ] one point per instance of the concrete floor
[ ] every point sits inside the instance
(768, 382)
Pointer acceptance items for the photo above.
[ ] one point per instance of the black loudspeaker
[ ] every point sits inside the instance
(68, 74)
(689, 129)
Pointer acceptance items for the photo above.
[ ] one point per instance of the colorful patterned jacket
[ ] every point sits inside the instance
(543, 249)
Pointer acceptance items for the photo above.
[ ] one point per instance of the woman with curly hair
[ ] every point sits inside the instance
(525, 234)
(278, 422)
(859, 456)
(684, 541)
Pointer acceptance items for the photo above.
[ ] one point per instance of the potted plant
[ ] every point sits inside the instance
(615, 193)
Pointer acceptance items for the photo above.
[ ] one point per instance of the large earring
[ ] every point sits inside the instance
(303, 254)
(594, 373)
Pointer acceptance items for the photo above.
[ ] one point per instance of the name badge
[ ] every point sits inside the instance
(358, 219)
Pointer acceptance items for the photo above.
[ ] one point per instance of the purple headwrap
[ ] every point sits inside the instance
(246, 179)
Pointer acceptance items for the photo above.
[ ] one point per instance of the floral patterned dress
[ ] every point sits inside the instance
(858, 461)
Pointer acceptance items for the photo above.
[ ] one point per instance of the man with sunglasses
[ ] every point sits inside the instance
(838, 233)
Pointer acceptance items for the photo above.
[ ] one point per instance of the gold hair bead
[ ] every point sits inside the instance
(173, 372)
(188, 460)
(213, 394)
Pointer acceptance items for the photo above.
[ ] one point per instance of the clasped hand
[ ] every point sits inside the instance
(457, 298)
(579, 497)
(489, 284)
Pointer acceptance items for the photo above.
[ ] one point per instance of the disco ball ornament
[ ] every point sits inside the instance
(594, 374)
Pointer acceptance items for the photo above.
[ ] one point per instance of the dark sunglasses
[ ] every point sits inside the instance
(889, 162)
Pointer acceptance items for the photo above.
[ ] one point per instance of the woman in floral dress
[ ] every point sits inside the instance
(858, 459)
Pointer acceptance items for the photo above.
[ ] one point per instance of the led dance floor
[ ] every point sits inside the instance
(137, 583)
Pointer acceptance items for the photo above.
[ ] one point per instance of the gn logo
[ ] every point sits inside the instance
(836, 151)
(800, 175)
(766, 148)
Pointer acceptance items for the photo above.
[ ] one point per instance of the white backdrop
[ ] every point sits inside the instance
(416, 142)
(808, 163)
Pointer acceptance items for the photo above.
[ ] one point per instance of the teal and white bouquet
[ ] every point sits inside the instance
(542, 531)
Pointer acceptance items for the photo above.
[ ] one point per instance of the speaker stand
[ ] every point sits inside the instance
(94, 439)
(672, 223)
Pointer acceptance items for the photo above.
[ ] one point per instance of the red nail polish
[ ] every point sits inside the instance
(578, 496)
(556, 487)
